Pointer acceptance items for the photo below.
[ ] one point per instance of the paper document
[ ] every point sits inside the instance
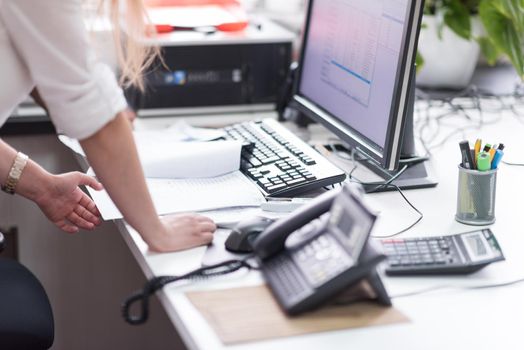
(187, 159)
(187, 132)
(187, 195)
(178, 132)
(164, 154)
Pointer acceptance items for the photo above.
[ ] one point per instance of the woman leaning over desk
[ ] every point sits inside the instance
(45, 51)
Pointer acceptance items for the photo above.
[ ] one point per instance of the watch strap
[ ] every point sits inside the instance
(15, 173)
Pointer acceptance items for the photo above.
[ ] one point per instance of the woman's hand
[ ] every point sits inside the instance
(64, 203)
(182, 231)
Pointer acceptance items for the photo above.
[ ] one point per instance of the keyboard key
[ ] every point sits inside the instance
(264, 182)
(296, 181)
(274, 188)
(394, 262)
(255, 162)
(270, 160)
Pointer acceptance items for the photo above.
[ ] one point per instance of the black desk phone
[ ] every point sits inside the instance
(327, 253)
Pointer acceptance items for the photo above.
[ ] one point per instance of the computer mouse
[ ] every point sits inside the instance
(245, 232)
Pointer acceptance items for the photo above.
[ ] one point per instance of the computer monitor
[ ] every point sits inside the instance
(355, 77)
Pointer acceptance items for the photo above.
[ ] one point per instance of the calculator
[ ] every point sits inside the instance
(455, 254)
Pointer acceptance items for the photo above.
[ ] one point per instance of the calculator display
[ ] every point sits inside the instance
(477, 246)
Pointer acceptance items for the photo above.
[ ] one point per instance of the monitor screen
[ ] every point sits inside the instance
(353, 74)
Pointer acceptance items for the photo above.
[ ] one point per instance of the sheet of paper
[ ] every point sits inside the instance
(187, 132)
(178, 132)
(167, 159)
(186, 195)
(165, 154)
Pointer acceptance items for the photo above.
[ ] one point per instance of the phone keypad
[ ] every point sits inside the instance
(286, 276)
(321, 259)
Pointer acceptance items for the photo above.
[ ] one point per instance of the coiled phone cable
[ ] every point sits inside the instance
(156, 283)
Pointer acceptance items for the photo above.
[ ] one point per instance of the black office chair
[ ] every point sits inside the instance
(26, 318)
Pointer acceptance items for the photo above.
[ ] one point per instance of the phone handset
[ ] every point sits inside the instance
(273, 239)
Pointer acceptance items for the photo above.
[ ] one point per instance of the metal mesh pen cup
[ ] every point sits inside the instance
(476, 196)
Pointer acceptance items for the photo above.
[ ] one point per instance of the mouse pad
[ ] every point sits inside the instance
(241, 315)
(216, 252)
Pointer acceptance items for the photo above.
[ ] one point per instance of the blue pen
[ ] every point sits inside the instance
(499, 153)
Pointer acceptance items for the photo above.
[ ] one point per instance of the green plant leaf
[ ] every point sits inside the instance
(514, 9)
(502, 32)
(489, 50)
(419, 61)
(457, 18)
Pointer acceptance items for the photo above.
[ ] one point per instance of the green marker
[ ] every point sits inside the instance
(483, 161)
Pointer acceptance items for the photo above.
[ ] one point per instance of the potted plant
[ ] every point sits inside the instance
(456, 31)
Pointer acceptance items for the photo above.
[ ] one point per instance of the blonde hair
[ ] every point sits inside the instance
(133, 55)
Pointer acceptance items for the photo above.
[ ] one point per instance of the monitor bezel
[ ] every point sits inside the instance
(387, 156)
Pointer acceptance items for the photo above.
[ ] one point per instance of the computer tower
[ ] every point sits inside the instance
(219, 72)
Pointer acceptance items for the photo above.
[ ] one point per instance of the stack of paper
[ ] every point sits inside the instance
(185, 176)
(180, 152)
(189, 195)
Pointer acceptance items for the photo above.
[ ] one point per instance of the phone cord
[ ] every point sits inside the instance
(157, 283)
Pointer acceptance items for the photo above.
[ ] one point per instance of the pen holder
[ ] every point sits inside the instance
(476, 196)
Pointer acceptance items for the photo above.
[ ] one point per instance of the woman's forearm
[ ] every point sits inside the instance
(112, 154)
(33, 180)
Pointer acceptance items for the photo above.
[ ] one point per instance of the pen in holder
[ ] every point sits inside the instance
(476, 196)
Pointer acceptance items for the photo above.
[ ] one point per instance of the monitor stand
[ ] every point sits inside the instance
(418, 174)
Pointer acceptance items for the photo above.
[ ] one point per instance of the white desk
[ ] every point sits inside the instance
(442, 319)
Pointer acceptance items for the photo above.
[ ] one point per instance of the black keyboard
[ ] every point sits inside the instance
(279, 162)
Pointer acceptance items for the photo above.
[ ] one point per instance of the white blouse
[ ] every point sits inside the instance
(44, 43)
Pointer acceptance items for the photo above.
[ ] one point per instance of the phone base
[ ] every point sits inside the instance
(360, 282)
(369, 288)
